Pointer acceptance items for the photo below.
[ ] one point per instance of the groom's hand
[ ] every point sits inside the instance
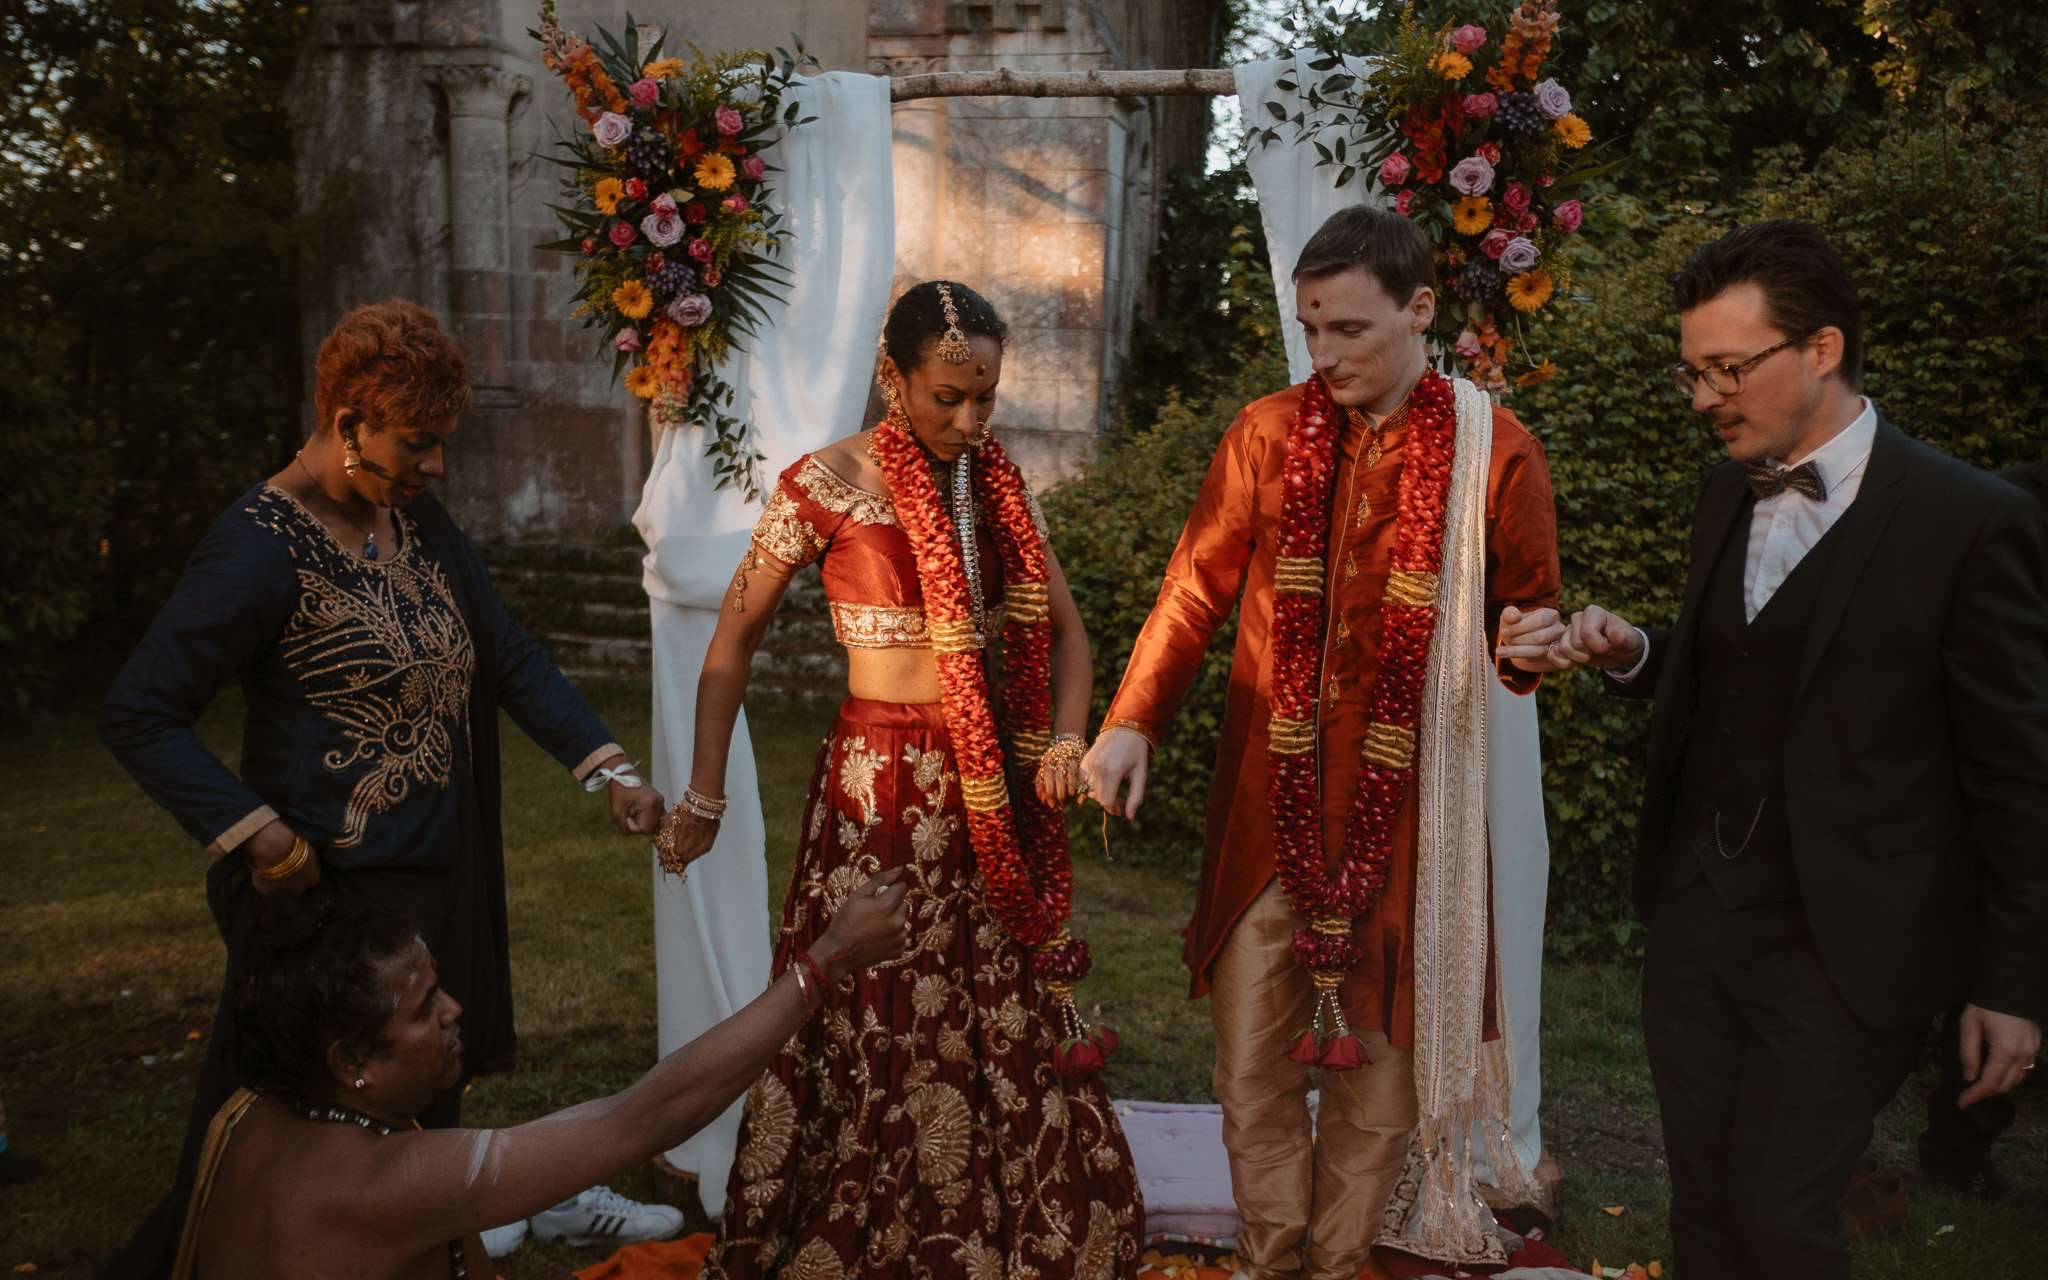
(1119, 757)
(1529, 640)
(1998, 1051)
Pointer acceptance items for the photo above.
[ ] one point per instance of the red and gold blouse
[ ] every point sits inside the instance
(869, 569)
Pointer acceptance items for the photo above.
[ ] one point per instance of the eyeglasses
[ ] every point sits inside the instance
(1726, 379)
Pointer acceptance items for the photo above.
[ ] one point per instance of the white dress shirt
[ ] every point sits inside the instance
(1783, 529)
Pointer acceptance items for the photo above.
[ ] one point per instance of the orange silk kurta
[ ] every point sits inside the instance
(1229, 546)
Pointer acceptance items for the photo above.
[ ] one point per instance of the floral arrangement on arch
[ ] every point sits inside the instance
(1462, 127)
(668, 208)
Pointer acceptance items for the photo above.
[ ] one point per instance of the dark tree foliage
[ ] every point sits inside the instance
(1209, 297)
(148, 304)
(1699, 92)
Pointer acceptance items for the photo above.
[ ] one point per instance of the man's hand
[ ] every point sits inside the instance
(1118, 757)
(636, 811)
(268, 847)
(1998, 1051)
(1529, 640)
(1597, 638)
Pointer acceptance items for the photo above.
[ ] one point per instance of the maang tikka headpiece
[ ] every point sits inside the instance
(952, 347)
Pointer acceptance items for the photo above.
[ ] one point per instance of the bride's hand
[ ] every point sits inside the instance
(683, 838)
(1059, 772)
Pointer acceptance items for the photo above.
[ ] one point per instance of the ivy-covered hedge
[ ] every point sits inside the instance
(1947, 231)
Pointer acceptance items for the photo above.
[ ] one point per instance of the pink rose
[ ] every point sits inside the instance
(735, 203)
(700, 250)
(664, 204)
(1516, 198)
(729, 121)
(1402, 201)
(623, 233)
(1394, 170)
(1467, 38)
(1472, 176)
(1496, 242)
(1481, 106)
(628, 340)
(1489, 152)
(663, 229)
(1568, 216)
(712, 277)
(1528, 221)
(611, 129)
(644, 92)
(1468, 345)
(754, 167)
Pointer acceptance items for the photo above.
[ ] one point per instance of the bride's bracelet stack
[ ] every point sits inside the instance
(702, 805)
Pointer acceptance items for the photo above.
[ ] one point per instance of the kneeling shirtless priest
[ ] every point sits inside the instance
(1383, 523)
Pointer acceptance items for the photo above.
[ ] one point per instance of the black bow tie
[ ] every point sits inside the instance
(1767, 481)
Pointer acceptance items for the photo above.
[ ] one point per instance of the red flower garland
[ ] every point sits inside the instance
(1331, 902)
(1029, 880)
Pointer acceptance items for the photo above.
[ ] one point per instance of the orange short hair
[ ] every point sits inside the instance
(390, 362)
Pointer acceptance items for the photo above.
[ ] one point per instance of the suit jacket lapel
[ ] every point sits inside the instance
(1858, 531)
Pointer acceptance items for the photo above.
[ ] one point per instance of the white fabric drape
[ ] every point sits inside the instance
(1295, 197)
(802, 382)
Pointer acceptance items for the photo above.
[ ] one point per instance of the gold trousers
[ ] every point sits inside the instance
(1311, 1198)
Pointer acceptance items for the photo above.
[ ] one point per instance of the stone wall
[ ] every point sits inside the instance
(420, 126)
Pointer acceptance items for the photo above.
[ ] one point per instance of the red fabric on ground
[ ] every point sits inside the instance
(655, 1260)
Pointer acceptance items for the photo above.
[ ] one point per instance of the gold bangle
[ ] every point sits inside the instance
(702, 805)
(290, 864)
(1135, 727)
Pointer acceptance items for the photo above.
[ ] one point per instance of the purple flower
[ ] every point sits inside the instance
(663, 229)
(1467, 38)
(1481, 106)
(700, 250)
(644, 92)
(729, 121)
(754, 167)
(1480, 281)
(1394, 170)
(1519, 256)
(611, 129)
(1472, 176)
(690, 310)
(1553, 100)
(628, 340)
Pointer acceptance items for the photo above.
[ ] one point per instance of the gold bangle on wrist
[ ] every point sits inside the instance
(291, 863)
(701, 805)
(1135, 727)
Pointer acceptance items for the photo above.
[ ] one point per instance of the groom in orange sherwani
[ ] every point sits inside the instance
(1313, 1208)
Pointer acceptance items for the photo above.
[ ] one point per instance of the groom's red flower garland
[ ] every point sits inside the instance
(1327, 948)
(1020, 845)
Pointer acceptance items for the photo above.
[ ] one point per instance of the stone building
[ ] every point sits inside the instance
(420, 126)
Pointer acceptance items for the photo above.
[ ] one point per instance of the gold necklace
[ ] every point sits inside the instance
(369, 535)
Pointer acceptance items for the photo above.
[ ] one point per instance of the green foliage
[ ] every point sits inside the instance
(148, 285)
(1703, 89)
(1211, 293)
(1115, 528)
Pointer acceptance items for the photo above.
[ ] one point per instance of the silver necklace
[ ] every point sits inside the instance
(970, 552)
(458, 1268)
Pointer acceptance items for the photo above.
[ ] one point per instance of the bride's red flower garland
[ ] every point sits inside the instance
(1327, 948)
(1020, 843)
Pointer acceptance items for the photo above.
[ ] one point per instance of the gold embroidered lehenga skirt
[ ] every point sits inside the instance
(916, 1128)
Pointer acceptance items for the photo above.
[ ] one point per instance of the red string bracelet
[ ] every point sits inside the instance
(817, 974)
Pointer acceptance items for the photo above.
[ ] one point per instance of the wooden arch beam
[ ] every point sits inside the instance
(1063, 84)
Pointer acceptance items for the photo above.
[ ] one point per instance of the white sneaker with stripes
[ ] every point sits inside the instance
(603, 1216)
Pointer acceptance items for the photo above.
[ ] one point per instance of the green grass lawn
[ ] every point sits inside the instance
(109, 968)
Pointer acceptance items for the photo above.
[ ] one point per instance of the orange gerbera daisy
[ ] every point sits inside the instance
(1574, 132)
(633, 299)
(1452, 65)
(663, 68)
(1472, 215)
(643, 382)
(1530, 290)
(607, 193)
(715, 172)
(1541, 373)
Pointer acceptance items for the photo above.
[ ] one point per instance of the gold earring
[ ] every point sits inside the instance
(350, 461)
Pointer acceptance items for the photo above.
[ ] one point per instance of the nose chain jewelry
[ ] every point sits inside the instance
(970, 554)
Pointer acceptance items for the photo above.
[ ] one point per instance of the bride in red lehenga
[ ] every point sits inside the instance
(946, 1117)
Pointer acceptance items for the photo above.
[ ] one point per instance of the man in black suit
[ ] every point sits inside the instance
(1847, 800)
(1955, 1148)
